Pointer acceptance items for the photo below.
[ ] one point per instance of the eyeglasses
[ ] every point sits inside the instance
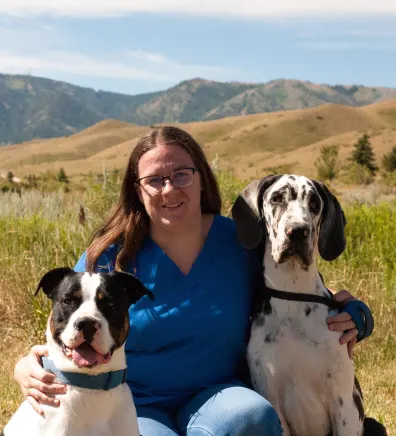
(180, 178)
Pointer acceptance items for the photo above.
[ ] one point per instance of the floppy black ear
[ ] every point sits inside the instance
(52, 279)
(134, 287)
(247, 212)
(331, 235)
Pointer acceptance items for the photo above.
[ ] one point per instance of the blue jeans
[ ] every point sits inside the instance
(222, 410)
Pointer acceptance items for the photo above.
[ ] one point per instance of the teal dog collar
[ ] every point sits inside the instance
(104, 381)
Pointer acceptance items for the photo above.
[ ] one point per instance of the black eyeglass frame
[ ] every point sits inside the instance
(165, 178)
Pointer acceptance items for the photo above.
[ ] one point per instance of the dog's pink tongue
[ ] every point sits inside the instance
(85, 355)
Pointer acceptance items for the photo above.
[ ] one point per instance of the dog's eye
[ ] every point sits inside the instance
(277, 198)
(314, 204)
(107, 301)
(69, 301)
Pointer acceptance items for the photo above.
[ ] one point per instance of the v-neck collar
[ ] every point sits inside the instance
(200, 259)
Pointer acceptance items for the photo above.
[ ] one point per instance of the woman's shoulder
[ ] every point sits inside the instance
(225, 229)
(225, 224)
(105, 262)
(230, 242)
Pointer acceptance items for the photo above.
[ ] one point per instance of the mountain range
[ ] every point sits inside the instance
(33, 107)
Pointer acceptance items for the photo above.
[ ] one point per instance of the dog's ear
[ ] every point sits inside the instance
(52, 279)
(133, 287)
(331, 235)
(247, 212)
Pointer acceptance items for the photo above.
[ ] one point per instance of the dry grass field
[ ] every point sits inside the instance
(40, 230)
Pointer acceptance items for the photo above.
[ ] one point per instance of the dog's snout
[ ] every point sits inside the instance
(88, 327)
(297, 232)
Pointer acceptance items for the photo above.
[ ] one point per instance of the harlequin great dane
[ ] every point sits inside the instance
(295, 361)
(86, 332)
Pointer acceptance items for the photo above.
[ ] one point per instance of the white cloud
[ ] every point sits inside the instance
(347, 46)
(149, 57)
(344, 29)
(249, 8)
(145, 66)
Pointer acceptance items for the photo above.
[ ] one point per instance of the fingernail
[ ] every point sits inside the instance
(56, 402)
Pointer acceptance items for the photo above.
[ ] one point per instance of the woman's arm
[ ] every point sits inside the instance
(343, 321)
(37, 385)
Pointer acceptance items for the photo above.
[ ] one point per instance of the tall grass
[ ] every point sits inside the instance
(367, 269)
(39, 231)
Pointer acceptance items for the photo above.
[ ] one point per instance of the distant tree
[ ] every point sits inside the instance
(10, 176)
(363, 154)
(389, 161)
(62, 177)
(327, 165)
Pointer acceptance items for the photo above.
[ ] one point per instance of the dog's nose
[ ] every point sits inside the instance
(88, 327)
(298, 232)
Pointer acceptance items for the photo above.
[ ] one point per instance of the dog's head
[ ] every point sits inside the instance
(89, 318)
(296, 214)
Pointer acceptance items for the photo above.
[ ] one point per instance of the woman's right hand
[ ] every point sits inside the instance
(36, 384)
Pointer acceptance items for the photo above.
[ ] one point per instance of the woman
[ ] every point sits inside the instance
(186, 348)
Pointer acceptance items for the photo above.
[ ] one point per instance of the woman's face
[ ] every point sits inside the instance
(171, 208)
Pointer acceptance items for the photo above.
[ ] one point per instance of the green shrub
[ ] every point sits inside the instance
(363, 154)
(389, 161)
(62, 177)
(279, 169)
(10, 177)
(327, 165)
(230, 187)
(388, 178)
(355, 174)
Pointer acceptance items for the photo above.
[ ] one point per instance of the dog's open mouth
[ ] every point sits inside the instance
(85, 356)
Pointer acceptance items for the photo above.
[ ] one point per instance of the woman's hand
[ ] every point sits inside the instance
(37, 385)
(342, 322)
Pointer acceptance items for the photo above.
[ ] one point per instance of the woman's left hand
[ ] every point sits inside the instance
(342, 322)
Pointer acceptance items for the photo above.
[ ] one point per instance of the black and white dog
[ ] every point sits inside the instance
(86, 332)
(294, 360)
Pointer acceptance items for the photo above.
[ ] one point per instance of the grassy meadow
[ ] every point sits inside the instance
(39, 231)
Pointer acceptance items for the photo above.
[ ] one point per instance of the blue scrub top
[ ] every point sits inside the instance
(193, 335)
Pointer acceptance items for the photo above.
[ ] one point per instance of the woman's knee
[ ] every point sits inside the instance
(155, 422)
(268, 419)
(260, 418)
(233, 411)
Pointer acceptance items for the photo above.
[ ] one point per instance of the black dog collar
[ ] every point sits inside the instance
(308, 298)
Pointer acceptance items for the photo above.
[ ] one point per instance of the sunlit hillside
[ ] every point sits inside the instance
(248, 145)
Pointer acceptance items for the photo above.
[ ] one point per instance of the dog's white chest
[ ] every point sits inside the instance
(82, 412)
(298, 365)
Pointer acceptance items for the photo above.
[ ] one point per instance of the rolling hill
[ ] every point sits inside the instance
(249, 145)
(33, 107)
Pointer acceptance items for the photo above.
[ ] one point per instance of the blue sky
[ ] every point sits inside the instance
(140, 46)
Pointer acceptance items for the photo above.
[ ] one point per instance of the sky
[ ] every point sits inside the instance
(139, 46)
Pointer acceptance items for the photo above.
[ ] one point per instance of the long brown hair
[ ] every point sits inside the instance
(128, 223)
